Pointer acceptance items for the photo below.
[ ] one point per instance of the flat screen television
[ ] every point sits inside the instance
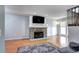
(38, 19)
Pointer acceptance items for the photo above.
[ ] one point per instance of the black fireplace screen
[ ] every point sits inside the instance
(38, 34)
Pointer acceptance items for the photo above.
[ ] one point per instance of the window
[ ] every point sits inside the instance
(63, 33)
(63, 28)
(54, 30)
(63, 41)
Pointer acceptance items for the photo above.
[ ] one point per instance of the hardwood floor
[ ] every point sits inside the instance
(55, 40)
(12, 45)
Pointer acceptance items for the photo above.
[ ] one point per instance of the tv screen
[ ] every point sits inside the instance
(38, 19)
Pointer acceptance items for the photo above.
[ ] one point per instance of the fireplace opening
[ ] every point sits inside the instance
(38, 34)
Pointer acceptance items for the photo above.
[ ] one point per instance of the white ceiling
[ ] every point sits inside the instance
(54, 11)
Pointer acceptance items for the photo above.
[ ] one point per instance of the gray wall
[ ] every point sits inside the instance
(73, 33)
(17, 26)
(14, 26)
(27, 26)
(49, 22)
(2, 17)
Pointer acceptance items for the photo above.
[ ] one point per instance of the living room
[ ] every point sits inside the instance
(27, 25)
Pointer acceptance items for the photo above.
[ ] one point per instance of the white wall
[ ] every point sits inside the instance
(15, 26)
(73, 33)
(49, 22)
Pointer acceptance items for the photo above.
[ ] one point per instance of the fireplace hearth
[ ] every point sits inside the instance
(38, 34)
